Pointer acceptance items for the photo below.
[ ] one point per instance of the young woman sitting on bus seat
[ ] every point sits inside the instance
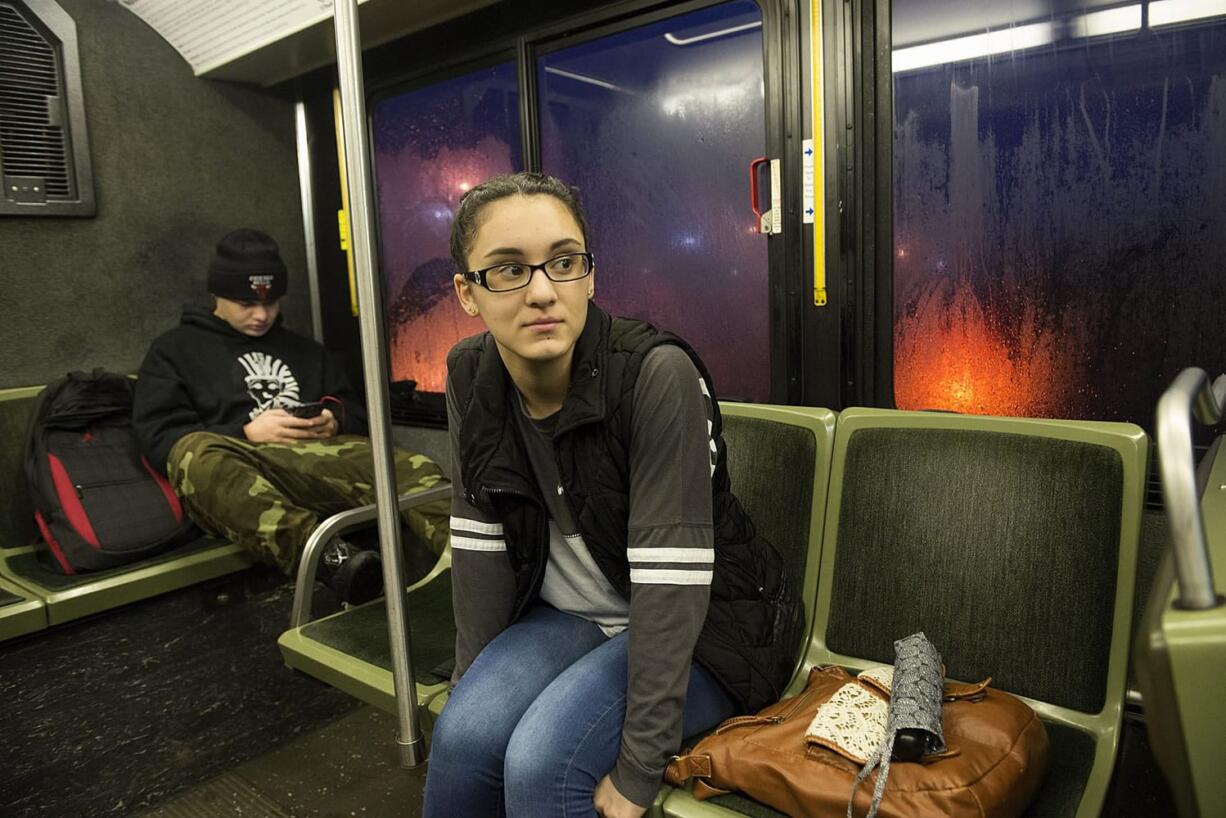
(610, 594)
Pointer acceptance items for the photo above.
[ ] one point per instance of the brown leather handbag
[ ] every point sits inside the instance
(995, 759)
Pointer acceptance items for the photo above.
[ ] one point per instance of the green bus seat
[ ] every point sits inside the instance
(71, 597)
(1180, 652)
(20, 611)
(349, 649)
(25, 566)
(1011, 543)
(779, 465)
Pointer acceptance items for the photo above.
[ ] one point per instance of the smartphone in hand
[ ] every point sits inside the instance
(307, 410)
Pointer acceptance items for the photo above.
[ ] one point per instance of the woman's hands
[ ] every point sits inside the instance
(279, 426)
(612, 804)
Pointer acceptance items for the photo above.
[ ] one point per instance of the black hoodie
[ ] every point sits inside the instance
(205, 375)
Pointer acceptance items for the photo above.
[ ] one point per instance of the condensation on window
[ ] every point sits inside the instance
(431, 145)
(1060, 206)
(657, 126)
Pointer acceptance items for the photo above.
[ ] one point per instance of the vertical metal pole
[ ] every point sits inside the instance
(308, 215)
(375, 369)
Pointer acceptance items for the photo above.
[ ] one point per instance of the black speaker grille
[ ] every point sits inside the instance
(33, 143)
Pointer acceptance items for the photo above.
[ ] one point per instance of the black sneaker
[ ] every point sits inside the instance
(418, 559)
(355, 575)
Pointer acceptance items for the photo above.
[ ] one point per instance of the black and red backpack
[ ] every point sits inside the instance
(97, 501)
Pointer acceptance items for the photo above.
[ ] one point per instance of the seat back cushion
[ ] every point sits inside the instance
(16, 514)
(1002, 548)
(771, 468)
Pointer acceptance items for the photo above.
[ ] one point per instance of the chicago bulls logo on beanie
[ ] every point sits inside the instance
(247, 267)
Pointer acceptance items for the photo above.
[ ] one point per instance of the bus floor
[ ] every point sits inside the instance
(347, 769)
(120, 712)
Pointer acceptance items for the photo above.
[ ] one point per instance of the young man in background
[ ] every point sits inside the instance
(260, 431)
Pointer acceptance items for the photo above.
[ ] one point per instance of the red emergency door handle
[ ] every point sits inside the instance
(753, 190)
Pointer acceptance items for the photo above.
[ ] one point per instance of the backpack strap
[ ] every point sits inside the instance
(682, 768)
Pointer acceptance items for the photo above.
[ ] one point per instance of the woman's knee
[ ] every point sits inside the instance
(470, 731)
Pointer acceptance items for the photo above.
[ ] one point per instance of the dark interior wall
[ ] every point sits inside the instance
(178, 161)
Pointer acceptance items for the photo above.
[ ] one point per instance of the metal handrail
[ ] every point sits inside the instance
(1189, 395)
(334, 526)
(376, 373)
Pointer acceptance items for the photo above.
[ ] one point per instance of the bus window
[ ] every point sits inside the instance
(657, 126)
(1059, 186)
(430, 145)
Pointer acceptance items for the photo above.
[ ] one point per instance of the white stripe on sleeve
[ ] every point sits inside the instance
(706, 555)
(476, 526)
(669, 576)
(474, 544)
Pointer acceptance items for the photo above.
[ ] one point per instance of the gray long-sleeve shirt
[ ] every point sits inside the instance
(671, 555)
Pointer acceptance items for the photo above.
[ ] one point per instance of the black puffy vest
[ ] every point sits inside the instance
(755, 620)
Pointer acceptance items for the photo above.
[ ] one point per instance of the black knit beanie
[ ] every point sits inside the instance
(247, 267)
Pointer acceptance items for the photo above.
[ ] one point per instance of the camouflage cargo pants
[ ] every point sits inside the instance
(269, 497)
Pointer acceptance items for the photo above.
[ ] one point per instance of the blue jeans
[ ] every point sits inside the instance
(536, 721)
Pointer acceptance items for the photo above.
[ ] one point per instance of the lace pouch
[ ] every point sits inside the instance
(852, 722)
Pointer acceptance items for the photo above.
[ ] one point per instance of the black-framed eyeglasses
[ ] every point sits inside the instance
(513, 275)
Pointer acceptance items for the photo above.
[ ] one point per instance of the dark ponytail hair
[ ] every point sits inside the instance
(464, 226)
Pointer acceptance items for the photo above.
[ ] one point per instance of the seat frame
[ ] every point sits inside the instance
(134, 585)
(364, 681)
(1179, 661)
(370, 683)
(334, 526)
(19, 618)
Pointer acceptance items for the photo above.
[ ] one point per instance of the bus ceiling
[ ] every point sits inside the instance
(265, 47)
